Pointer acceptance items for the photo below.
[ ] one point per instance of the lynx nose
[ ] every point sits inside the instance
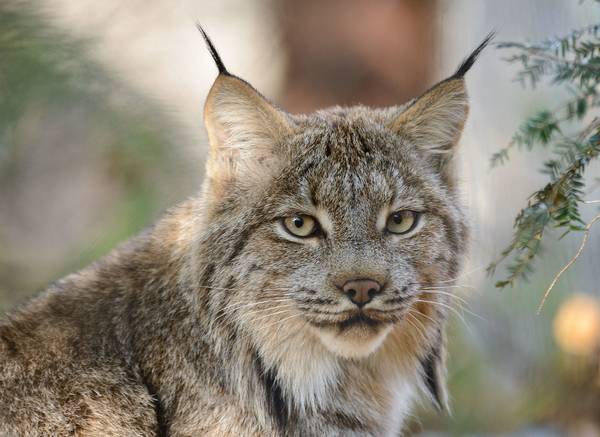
(361, 291)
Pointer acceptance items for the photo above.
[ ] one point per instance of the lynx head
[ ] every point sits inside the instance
(334, 226)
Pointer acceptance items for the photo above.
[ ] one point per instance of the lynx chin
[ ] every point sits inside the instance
(303, 292)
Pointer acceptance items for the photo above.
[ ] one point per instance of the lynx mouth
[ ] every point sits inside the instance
(355, 319)
(359, 319)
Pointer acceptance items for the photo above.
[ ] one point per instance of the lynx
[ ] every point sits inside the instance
(303, 292)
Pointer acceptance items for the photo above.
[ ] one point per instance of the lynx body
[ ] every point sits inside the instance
(301, 293)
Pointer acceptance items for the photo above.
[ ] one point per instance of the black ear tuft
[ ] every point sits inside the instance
(468, 63)
(213, 51)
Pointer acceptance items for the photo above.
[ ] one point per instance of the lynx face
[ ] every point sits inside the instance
(343, 216)
(354, 222)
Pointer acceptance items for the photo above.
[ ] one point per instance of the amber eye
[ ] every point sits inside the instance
(402, 222)
(301, 225)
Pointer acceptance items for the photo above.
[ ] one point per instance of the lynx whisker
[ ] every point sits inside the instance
(456, 278)
(271, 314)
(243, 305)
(421, 314)
(248, 335)
(232, 309)
(240, 288)
(446, 293)
(460, 315)
(429, 287)
(280, 322)
(418, 333)
(449, 307)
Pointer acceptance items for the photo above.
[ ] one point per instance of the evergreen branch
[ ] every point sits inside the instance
(575, 56)
(556, 203)
(573, 60)
(543, 126)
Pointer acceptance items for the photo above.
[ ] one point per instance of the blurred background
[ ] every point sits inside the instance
(101, 130)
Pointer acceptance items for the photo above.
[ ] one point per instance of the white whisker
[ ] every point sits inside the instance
(210, 287)
(419, 331)
(435, 287)
(412, 310)
(445, 293)
(266, 316)
(242, 306)
(277, 322)
(451, 308)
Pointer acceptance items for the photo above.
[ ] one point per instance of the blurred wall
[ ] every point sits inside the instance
(345, 52)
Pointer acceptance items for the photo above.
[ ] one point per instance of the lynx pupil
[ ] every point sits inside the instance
(298, 222)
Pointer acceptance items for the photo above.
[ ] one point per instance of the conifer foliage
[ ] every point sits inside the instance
(569, 132)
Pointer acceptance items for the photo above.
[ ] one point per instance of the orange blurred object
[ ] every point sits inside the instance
(577, 325)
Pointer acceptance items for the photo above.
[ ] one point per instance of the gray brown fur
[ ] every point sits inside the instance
(213, 323)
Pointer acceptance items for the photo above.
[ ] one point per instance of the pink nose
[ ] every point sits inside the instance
(361, 291)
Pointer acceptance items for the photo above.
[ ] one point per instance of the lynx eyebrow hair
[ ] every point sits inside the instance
(468, 63)
(213, 51)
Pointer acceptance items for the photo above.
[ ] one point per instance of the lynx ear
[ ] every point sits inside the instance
(434, 374)
(434, 121)
(243, 127)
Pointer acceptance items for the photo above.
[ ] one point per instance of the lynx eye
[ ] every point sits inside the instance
(402, 222)
(301, 225)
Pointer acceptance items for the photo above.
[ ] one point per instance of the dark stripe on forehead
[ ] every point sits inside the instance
(409, 179)
(434, 194)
